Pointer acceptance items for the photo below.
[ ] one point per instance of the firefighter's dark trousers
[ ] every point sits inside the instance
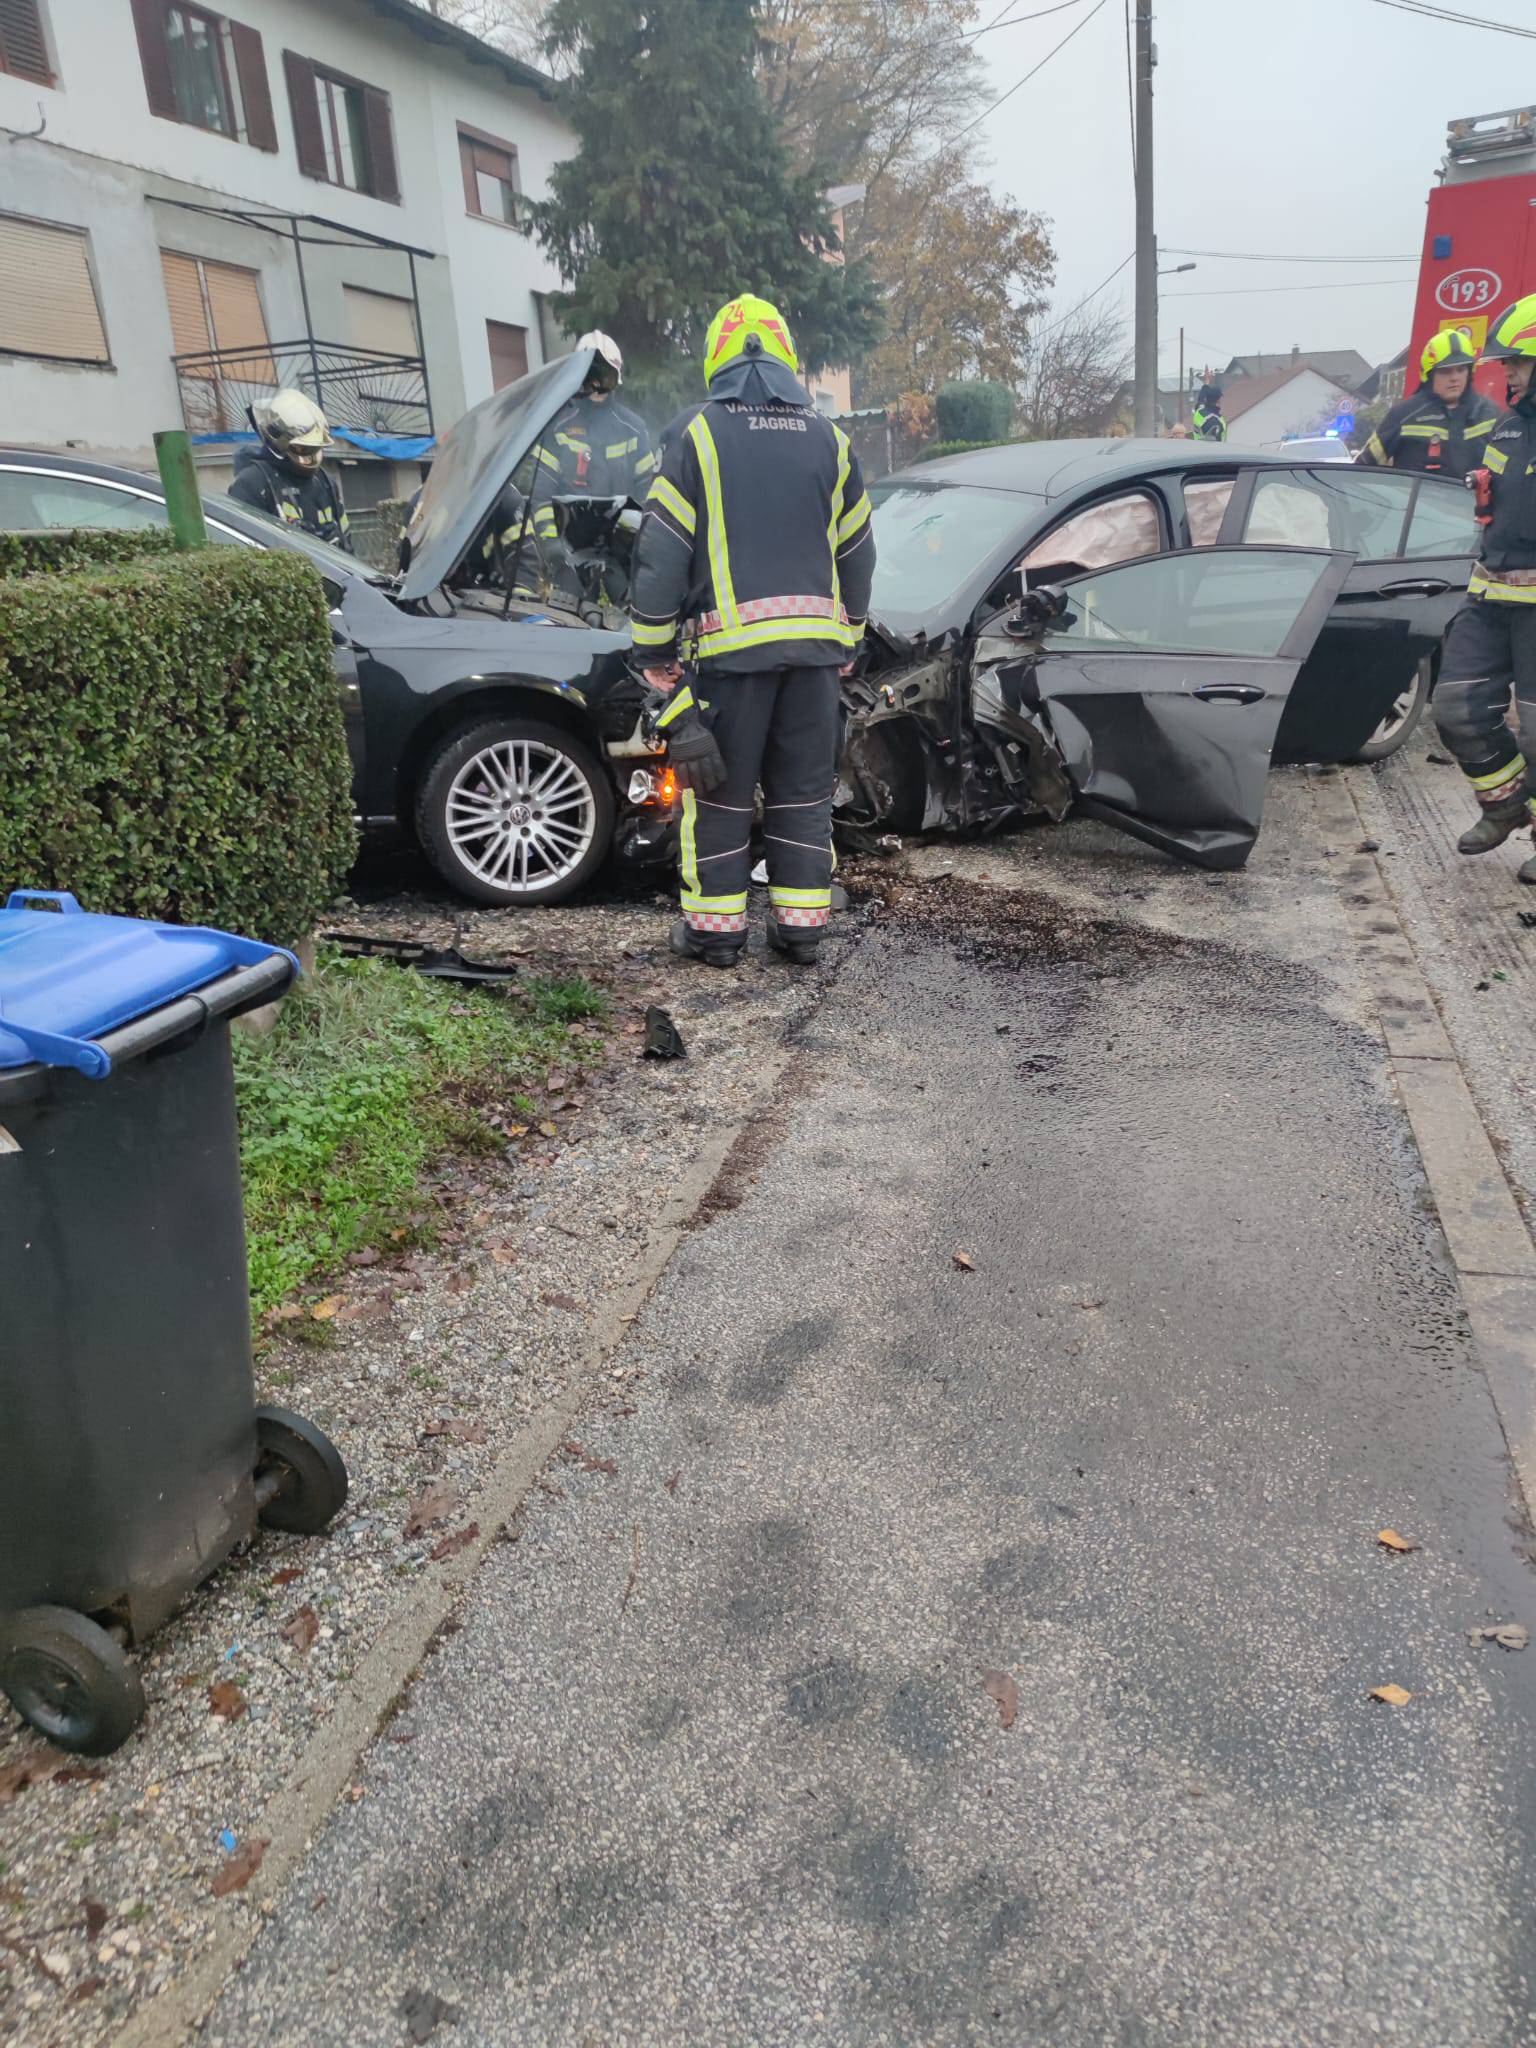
(1490, 650)
(778, 728)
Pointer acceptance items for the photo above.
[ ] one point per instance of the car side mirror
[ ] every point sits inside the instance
(1036, 607)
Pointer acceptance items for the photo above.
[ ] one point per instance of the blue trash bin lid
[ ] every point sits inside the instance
(68, 975)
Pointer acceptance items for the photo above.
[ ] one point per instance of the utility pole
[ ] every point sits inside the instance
(1146, 234)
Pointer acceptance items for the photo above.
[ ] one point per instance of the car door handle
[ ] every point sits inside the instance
(1230, 693)
(1415, 586)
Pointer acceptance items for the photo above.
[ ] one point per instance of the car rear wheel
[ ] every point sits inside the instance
(1404, 715)
(514, 811)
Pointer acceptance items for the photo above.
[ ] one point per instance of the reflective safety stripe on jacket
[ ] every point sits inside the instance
(1209, 426)
(1424, 433)
(1506, 571)
(758, 544)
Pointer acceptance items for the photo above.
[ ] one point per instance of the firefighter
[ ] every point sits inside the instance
(1208, 423)
(282, 476)
(1491, 645)
(1444, 427)
(758, 534)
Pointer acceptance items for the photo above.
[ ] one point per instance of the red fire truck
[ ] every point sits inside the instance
(1480, 237)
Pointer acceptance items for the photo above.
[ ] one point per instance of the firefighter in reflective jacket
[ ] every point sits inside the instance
(595, 448)
(282, 476)
(1208, 423)
(1490, 648)
(1444, 427)
(755, 563)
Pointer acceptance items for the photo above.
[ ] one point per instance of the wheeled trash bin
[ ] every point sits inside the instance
(135, 1456)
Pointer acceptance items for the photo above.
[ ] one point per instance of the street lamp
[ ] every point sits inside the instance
(1178, 270)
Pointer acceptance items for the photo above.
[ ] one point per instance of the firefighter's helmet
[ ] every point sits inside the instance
(1451, 350)
(748, 326)
(293, 427)
(1512, 337)
(607, 373)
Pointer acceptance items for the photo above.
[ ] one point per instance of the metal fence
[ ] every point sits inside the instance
(365, 388)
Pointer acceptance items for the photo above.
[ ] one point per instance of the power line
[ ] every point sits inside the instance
(1244, 291)
(1037, 69)
(1249, 256)
(969, 35)
(1045, 331)
(1428, 13)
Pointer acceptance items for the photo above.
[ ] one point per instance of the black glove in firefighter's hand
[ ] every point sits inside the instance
(673, 717)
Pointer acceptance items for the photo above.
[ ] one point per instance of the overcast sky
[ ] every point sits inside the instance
(1287, 127)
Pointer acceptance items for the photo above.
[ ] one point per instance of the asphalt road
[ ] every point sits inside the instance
(712, 1758)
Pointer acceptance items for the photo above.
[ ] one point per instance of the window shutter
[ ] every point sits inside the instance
(47, 297)
(306, 114)
(509, 353)
(467, 166)
(149, 20)
(184, 297)
(251, 70)
(238, 321)
(23, 51)
(381, 143)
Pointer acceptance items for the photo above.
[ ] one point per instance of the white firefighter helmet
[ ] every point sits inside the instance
(292, 426)
(608, 351)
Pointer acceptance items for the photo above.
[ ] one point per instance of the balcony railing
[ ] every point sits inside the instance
(362, 388)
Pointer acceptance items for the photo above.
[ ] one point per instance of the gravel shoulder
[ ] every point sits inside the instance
(430, 1367)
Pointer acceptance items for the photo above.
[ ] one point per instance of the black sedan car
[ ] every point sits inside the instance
(502, 731)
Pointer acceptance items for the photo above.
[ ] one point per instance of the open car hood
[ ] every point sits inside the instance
(475, 461)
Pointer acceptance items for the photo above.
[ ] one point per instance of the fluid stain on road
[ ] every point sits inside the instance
(1133, 1459)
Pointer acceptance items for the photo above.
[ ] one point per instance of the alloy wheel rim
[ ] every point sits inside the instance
(1397, 715)
(520, 815)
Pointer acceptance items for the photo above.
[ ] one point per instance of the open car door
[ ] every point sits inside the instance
(1160, 687)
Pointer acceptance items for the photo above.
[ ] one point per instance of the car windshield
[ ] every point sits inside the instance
(930, 539)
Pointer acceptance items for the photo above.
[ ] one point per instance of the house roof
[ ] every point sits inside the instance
(1344, 366)
(432, 28)
(1243, 393)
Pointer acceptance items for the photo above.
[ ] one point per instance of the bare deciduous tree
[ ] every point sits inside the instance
(1072, 375)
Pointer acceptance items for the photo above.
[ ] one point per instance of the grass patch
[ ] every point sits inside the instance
(367, 1078)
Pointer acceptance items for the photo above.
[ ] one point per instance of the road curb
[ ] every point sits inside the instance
(326, 1767)
(1490, 1246)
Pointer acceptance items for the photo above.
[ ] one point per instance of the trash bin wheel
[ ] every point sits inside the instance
(70, 1680)
(311, 1480)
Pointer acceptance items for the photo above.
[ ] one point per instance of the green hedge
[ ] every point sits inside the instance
(171, 741)
(936, 449)
(973, 409)
(24, 554)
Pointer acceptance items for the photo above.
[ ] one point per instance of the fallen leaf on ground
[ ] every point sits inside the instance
(565, 1301)
(1393, 1695)
(303, 1629)
(227, 1700)
(1390, 1540)
(671, 1484)
(460, 1282)
(435, 1505)
(95, 1919)
(322, 1311)
(287, 1575)
(290, 1312)
(86, 1988)
(368, 1256)
(455, 1426)
(997, 1685)
(965, 1262)
(452, 1545)
(236, 1872)
(556, 1084)
(35, 1768)
(422, 2011)
(547, 1130)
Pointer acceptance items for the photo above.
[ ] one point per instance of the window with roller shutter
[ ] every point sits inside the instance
(204, 70)
(216, 306)
(23, 45)
(489, 167)
(48, 302)
(342, 128)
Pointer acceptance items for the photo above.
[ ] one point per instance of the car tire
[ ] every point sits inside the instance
(481, 822)
(1403, 718)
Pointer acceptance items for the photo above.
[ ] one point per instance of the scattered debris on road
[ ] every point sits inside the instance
(1509, 1635)
(424, 2011)
(998, 1686)
(964, 1262)
(663, 1040)
(236, 1872)
(1391, 1695)
(1390, 1540)
(443, 963)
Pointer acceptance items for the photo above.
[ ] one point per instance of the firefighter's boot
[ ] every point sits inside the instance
(1496, 825)
(801, 948)
(713, 948)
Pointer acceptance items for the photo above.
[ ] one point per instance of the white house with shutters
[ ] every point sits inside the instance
(196, 204)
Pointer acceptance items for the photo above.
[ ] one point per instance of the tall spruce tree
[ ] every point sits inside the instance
(682, 194)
